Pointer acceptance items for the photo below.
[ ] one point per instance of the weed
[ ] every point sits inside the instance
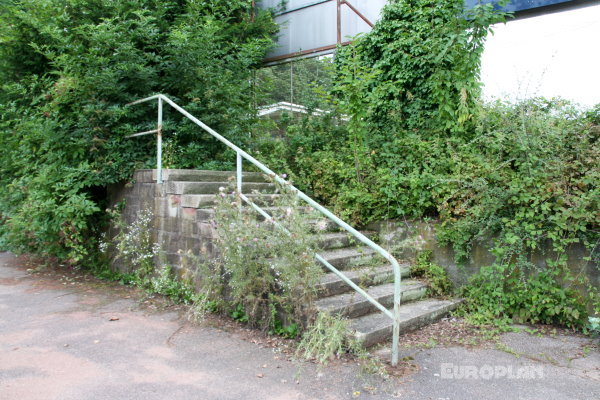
(167, 284)
(133, 245)
(438, 283)
(586, 350)
(268, 263)
(502, 294)
(594, 326)
(239, 314)
(134, 248)
(278, 327)
(325, 339)
(287, 331)
(507, 349)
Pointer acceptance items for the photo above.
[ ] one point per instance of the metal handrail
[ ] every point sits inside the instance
(240, 155)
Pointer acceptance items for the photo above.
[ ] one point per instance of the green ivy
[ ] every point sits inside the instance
(426, 55)
(414, 140)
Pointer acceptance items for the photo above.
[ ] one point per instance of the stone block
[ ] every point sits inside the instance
(168, 224)
(206, 230)
(188, 228)
(191, 243)
(145, 190)
(188, 213)
(167, 206)
(173, 259)
(143, 176)
(171, 242)
(205, 214)
(198, 200)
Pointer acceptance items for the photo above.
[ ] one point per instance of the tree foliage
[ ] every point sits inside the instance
(67, 70)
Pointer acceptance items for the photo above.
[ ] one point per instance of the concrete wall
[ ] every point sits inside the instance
(406, 238)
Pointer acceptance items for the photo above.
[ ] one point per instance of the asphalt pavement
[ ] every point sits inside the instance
(66, 339)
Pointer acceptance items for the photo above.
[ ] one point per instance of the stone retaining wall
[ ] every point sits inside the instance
(178, 229)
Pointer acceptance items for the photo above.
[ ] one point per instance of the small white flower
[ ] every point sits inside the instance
(322, 225)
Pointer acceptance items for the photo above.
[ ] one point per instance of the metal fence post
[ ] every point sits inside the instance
(159, 142)
(396, 330)
(239, 177)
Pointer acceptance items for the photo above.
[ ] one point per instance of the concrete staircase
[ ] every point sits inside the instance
(183, 209)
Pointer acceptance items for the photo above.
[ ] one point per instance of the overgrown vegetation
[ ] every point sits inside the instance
(502, 294)
(419, 143)
(409, 138)
(141, 261)
(265, 275)
(438, 283)
(594, 326)
(326, 339)
(420, 66)
(267, 271)
(134, 249)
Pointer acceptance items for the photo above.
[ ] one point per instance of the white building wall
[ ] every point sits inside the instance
(549, 55)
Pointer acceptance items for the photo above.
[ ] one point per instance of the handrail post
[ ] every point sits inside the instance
(239, 177)
(159, 142)
(396, 322)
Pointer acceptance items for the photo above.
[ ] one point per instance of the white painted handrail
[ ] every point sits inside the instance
(240, 155)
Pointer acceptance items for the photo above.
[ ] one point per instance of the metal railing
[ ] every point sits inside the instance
(241, 155)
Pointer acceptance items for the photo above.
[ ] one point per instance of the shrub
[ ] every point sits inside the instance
(501, 294)
(267, 267)
(438, 283)
(418, 142)
(325, 339)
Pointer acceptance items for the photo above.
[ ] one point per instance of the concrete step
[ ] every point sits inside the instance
(204, 214)
(353, 305)
(336, 240)
(213, 187)
(209, 200)
(377, 327)
(347, 258)
(331, 284)
(197, 175)
(324, 225)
